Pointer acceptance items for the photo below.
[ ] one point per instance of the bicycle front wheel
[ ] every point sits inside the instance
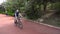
(20, 25)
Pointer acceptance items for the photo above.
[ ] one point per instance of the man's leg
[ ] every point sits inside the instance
(15, 20)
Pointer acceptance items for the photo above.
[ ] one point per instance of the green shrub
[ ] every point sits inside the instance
(33, 13)
(10, 13)
(2, 12)
(56, 6)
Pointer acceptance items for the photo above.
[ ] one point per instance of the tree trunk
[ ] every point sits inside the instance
(45, 5)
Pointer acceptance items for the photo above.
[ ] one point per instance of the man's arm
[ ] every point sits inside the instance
(15, 16)
(20, 15)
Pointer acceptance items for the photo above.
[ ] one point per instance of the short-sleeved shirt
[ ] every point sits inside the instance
(16, 14)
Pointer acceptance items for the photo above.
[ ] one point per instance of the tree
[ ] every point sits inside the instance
(13, 4)
(30, 7)
(2, 8)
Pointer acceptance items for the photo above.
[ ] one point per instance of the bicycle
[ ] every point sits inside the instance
(18, 23)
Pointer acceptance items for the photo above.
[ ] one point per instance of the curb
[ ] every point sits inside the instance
(44, 24)
(50, 25)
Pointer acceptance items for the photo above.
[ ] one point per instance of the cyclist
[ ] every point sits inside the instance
(16, 15)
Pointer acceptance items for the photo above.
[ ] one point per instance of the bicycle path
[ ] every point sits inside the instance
(7, 26)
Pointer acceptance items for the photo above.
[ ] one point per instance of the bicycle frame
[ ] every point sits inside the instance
(18, 22)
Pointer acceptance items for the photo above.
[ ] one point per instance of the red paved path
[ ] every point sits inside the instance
(7, 27)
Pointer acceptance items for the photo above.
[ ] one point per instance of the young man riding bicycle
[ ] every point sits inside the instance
(17, 19)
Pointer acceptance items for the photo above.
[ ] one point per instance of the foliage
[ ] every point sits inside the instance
(57, 6)
(12, 5)
(31, 8)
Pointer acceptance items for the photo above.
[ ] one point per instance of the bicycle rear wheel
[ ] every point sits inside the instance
(15, 22)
